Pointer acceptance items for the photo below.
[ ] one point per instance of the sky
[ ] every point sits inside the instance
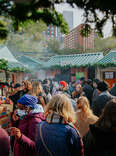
(78, 17)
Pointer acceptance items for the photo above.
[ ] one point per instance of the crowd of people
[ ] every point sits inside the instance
(52, 118)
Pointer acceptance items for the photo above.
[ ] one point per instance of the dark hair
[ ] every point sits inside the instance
(102, 86)
(96, 81)
(108, 117)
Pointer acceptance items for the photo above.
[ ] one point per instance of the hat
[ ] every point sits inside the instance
(28, 101)
(63, 83)
(102, 86)
(17, 85)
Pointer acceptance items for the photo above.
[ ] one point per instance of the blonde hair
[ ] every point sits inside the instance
(84, 107)
(61, 105)
(36, 88)
(27, 84)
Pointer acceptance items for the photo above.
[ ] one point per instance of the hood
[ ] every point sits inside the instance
(104, 137)
(35, 115)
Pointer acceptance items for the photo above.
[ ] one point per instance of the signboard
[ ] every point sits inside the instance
(113, 59)
(109, 75)
(79, 75)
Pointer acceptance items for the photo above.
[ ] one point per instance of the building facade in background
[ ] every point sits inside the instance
(74, 40)
(53, 32)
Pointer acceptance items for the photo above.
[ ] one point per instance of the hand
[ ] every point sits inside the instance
(14, 116)
(16, 132)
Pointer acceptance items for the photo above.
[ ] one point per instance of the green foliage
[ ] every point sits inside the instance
(105, 45)
(3, 64)
(34, 11)
(105, 65)
(3, 30)
(86, 30)
(29, 39)
(22, 10)
(18, 69)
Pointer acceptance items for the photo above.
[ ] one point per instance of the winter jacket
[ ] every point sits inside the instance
(100, 102)
(25, 146)
(60, 139)
(4, 143)
(100, 142)
(95, 95)
(113, 91)
(88, 90)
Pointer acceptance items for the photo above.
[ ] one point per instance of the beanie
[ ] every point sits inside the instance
(63, 83)
(28, 101)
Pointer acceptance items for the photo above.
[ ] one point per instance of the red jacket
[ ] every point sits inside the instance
(26, 145)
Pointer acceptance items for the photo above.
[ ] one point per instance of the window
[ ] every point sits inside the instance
(48, 32)
(52, 32)
(109, 75)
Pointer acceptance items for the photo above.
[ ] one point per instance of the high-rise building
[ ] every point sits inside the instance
(53, 32)
(68, 16)
(74, 39)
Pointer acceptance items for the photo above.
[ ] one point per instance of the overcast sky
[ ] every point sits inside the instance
(78, 17)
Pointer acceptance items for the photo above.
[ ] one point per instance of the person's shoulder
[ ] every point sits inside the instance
(72, 131)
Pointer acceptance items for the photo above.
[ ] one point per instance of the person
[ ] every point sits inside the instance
(25, 121)
(37, 90)
(72, 87)
(4, 143)
(78, 92)
(48, 83)
(102, 99)
(55, 88)
(113, 90)
(19, 92)
(57, 136)
(100, 140)
(95, 92)
(47, 92)
(84, 116)
(82, 81)
(63, 88)
(88, 90)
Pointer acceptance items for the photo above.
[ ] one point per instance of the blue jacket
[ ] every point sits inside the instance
(61, 140)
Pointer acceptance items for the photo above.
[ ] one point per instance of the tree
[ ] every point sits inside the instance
(22, 10)
(105, 45)
(30, 39)
(53, 45)
(30, 10)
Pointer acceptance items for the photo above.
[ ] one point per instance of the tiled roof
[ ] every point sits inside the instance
(7, 55)
(109, 58)
(74, 60)
(29, 62)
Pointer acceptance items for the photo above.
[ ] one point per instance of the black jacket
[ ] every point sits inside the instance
(100, 142)
(100, 102)
(88, 90)
(113, 90)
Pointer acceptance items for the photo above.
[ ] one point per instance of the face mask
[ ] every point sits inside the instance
(21, 113)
